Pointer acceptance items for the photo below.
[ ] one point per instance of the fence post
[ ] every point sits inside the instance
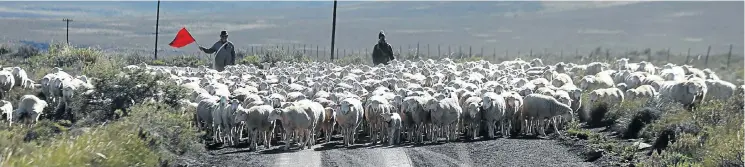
(449, 51)
(460, 52)
(317, 58)
(561, 55)
(429, 55)
(417, 51)
(482, 52)
(729, 55)
(530, 55)
(607, 54)
(688, 56)
(304, 48)
(439, 54)
(470, 51)
(706, 62)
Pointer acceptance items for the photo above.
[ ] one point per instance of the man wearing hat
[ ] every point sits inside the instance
(225, 52)
(382, 52)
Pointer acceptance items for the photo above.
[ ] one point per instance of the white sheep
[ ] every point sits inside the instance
(607, 96)
(394, 125)
(348, 118)
(295, 120)
(6, 109)
(30, 106)
(20, 77)
(445, 115)
(537, 107)
(472, 115)
(719, 90)
(7, 81)
(686, 92)
(643, 91)
(256, 121)
(494, 111)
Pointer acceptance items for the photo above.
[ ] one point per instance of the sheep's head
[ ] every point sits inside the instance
(276, 114)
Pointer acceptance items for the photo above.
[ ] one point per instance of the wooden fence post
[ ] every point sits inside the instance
(729, 55)
(531, 54)
(607, 54)
(668, 54)
(706, 62)
(688, 56)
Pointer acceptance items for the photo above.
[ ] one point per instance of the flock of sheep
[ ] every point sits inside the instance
(411, 101)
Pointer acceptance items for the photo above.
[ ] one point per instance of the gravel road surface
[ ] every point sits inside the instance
(497, 152)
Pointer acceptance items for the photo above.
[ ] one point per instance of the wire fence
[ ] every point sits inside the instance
(713, 57)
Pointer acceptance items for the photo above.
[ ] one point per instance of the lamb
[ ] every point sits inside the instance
(719, 90)
(494, 110)
(394, 124)
(537, 107)
(349, 117)
(256, 121)
(6, 110)
(643, 91)
(30, 106)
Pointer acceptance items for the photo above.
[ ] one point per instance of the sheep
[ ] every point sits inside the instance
(7, 81)
(513, 104)
(537, 107)
(643, 91)
(445, 114)
(327, 126)
(20, 76)
(592, 82)
(6, 110)
(375, 106)
(218, 124)
(416, 118)
(295, 120)
(561, 79)
(256, 121)
(493, 106)
(608, 96)
(203, 116)
(348, 118)
(394, 124)
(689, 93)
(30, 106)
(719, 90)
(472, 114)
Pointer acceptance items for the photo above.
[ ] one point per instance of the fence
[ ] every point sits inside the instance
(427, 51)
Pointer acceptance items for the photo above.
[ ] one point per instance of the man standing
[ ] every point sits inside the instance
(225, 52)
(382, 52)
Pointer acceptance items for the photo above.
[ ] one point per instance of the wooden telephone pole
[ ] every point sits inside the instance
(67, 35)
(333, 32)
(157, 20)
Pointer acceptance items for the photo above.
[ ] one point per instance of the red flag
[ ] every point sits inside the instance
(182, 39)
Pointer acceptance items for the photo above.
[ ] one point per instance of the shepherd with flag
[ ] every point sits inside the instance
(223, 49)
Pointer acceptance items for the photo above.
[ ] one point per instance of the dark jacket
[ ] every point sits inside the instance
(382, 53)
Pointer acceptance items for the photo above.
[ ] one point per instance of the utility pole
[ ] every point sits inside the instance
(333, 32)
(157, 20)
(68, 30)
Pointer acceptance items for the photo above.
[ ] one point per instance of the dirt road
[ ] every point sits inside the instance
(498, 152)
